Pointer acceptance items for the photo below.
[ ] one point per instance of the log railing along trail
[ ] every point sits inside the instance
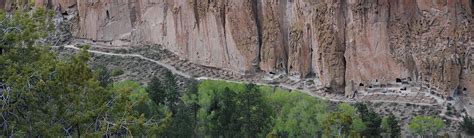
(174, 70)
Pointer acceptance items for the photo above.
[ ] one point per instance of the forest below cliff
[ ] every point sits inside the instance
(44, 94)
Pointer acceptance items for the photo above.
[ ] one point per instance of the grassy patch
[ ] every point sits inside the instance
(117, 72)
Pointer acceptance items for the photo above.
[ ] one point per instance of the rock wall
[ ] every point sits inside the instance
(344, 43)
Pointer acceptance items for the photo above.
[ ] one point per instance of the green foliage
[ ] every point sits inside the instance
(220, 103)
(425, 125)
(222, 120)
(371, 119)
(138, 94)
(49, 95)
(104, 76)
(467, 125)
(340, 122)
(184, 110)
(292, 114)
(390, 126)
(297, 114)
(171, 91)
(255, 111)
(165, 92)
(184, 123)
(156, 91)
(358, 127)
(117, 72)
(23, 28)
(191, 99)
(45, 96)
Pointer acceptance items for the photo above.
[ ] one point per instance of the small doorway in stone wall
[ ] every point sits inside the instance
(107, 14)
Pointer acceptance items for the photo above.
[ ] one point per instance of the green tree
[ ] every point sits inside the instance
(143, 103)
(425, 125)
(24, 29)
(358, 127)
(171, 91)
(254, 112)
(371, 119)
(223, 119)
(104, 76)
(184, 122)
(45, 96)
(49, 96)
(298, 115)
(156, 91)
(340, 122)
(191, 100)
(390, 126)
(165, 92)
(467, 125)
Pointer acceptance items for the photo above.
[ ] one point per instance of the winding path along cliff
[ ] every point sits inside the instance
(348, 44)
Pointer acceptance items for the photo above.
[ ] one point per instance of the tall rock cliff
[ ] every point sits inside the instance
(347, 44)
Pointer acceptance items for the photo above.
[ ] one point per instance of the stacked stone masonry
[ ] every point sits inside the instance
(349, 45)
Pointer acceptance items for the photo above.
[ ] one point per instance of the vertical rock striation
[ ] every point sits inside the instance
(344, 43)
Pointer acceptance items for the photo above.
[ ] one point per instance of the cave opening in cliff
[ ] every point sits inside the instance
(464, 89)
(107, 14)
(360, 84)
(472, 6)
(398, 80)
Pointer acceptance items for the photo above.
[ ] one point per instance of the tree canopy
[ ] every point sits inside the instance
(425, 125)
(44, 95)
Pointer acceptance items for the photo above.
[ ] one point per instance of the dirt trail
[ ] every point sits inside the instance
(175, 71)
(171, 68)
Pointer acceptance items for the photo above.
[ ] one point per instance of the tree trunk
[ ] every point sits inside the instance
(78, 131)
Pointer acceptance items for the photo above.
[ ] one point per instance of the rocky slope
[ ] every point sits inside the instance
(349, 45)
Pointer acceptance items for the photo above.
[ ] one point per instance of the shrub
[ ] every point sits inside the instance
(117, 72)
(467, 125)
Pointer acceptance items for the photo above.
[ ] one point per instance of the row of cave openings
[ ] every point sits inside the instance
(408, 80)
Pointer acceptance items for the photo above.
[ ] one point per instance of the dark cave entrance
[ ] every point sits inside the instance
(398, 80)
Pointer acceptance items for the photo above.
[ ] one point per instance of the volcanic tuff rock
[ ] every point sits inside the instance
(347, 44)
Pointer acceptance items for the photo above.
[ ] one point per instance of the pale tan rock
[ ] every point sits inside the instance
(344, 43)
(273, 55)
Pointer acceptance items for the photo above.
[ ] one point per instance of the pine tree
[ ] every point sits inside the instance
(223, 119)
(191, 100)
(371, 119)
(185, 121)
(156, 91)
(171, 91)
(104, 76)
(255, 113)
(390, 126)
(45, 96)
(467, 125)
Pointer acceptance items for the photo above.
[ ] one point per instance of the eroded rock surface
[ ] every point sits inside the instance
(348, 45)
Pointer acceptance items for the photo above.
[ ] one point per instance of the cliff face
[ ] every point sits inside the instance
(347, 44)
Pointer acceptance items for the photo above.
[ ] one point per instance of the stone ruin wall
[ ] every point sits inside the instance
(348, 44)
